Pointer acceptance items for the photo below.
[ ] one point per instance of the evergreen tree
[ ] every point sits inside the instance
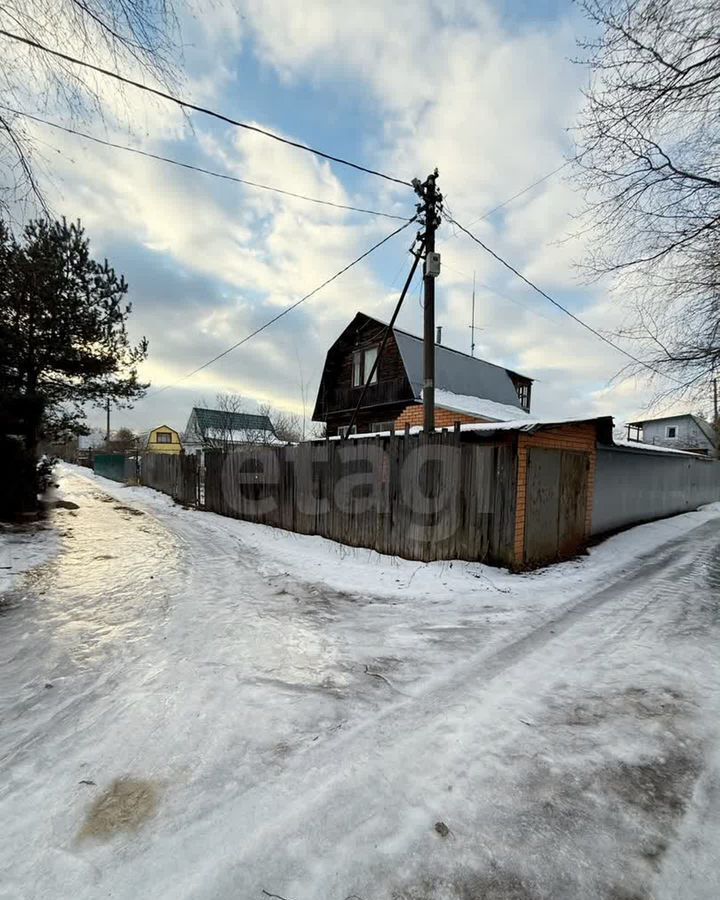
(63, 336)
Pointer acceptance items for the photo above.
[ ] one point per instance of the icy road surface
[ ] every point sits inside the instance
(193, 707)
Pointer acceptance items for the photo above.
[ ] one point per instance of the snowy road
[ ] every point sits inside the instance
(194, 707)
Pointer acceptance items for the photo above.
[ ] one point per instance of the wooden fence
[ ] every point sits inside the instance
(425, 497)
(173, 474)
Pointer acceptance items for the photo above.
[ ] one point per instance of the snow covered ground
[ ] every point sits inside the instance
(195, 707)
(23, 547)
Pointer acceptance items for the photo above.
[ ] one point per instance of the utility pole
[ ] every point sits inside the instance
(429, 210)
(715, 401)
(107, 414)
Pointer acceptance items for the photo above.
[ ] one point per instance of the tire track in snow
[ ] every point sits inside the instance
(386, 748)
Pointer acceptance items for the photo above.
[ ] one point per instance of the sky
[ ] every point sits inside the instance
(487, 92)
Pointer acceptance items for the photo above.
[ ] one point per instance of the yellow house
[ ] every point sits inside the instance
(162, 439)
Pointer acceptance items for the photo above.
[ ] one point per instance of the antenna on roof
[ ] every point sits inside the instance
(473, 329)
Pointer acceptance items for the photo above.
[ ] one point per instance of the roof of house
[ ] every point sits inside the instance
(663, 419)
(655, 448)
(478, 406)
(704, 426)
(144, 436)
(455, 371)
(603, 424)
(220, 420)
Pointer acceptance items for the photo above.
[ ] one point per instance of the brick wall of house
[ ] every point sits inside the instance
(582, 438)
(444, 418)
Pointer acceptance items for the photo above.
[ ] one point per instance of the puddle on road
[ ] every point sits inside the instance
(125, 806)
(99, 593)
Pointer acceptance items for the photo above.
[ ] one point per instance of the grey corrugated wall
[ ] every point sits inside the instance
(637, 486)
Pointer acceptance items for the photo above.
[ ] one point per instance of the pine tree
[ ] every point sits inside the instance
(63, 336)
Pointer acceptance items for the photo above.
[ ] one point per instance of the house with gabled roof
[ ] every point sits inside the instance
(682, 432)
(162, 439)
(467, 389)
(223, 429)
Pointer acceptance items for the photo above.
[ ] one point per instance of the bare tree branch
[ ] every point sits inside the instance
(132, 34)
(649, 161)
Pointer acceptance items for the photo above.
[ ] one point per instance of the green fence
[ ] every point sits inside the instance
(114, 465)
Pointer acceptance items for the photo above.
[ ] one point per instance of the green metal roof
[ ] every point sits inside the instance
(231, 421)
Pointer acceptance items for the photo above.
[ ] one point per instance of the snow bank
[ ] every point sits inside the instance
(23, 548)
(318, 560)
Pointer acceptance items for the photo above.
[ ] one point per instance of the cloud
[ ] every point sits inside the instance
(449, 84)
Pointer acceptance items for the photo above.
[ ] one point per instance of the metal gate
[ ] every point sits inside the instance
(110, 465)
(555, 504)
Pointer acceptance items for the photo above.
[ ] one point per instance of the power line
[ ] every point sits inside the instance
(556, 303)
(182, 165)
(201, 109)
(492, 290)
(519, 194)
(285, 311)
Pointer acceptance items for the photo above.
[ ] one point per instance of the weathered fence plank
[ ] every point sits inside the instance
(417, 496)
(173, 474)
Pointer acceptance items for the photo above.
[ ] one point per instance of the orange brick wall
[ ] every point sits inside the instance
(444, 418)
(582, 438)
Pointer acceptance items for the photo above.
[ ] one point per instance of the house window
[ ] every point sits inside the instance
(164, 437)
(343, 430)
(363, 361)
(523, 392)
(671, 431)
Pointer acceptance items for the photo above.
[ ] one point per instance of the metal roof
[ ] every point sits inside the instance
(456, 372)
(662, 419)
(230, 421)
(603, 427)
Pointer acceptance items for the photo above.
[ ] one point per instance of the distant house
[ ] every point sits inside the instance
(466, 389)
(683, 432)
(162, 439)
(218, 428)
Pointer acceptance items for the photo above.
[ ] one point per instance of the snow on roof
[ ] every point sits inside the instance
(478, 406)
(526, 424)
(662, 418)
(236, 436)
(658, 448)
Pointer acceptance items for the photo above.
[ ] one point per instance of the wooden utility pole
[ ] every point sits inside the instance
(429, 210)
(107, 425)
